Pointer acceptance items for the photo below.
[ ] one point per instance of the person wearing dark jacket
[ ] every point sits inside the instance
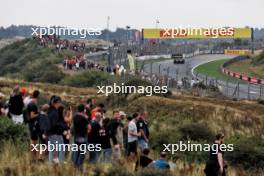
(94, 136)
(55, 130)
(143, 160)
(43, 128)
(105, 141)
(80, 133)
(16, 105)
(114, 126)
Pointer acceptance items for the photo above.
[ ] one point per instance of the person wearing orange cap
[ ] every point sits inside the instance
(23, 91)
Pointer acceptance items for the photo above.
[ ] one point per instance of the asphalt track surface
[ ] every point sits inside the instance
(178, 71)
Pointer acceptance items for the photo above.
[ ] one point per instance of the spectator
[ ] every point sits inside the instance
(56, 129)
(80, 131)
(216, 164)
(16, 105)
(105, 141)
(34, 128)
(98, 108)
(132, 138)
(161, 163)
(28, 102)
(43, 127)
(32, 98)
(115, 127)
(94, 136)
(88, 107)
(143, 160)
(142, 127)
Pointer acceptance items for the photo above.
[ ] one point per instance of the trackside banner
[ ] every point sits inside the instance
(241, 52)
(174, 33)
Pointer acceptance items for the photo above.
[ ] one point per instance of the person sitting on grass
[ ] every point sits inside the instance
(143, 160)
(162, 162)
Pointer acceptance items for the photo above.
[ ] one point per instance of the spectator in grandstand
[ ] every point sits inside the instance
(143, 160)
(94, 136)
(142, 127)
(105, 141)
(162, 162)
(16, 105)
(216, 164)
(80, 132)
(56, 129)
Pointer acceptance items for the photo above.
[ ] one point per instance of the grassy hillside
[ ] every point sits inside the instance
(172, 119)
(28, 61)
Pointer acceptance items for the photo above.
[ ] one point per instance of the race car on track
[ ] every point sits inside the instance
(178, 58)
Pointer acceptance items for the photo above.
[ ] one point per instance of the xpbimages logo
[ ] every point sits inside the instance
(125, 89)
(192, 147)
(64, 31)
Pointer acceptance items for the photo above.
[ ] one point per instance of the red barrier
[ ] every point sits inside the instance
(245, 77)
(237, 75)
(254, 80)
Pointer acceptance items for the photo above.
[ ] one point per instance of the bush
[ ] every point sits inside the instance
(196, 132)
(248, 152)
(153, 172)
(12, 132)
(118, 171)
(89, 78)
(260, 101)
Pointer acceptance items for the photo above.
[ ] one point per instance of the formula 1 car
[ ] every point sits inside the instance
(178, 58)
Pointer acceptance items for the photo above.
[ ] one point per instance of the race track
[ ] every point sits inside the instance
(230, 89)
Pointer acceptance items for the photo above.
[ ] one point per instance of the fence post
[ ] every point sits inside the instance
(159, 69)
(248, 91)
(206, 80)
(151, 64)
(238, 90)
(227, 87)
(260, 91)
(168, 71)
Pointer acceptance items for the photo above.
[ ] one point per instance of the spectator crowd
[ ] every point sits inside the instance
(120, 136)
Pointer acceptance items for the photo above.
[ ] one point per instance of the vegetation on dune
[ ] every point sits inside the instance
(252, 67)
(28, 61)
(171, 119)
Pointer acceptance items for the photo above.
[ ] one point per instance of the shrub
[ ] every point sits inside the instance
(248, 152)
(153, 172)
(196, 132)
(118, 171)
(12, 132)
(89, 78)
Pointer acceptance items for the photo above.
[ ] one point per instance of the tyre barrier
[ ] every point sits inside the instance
(244, 77)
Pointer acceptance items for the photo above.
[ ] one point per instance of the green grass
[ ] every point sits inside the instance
(249, 67)
(213, 69)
